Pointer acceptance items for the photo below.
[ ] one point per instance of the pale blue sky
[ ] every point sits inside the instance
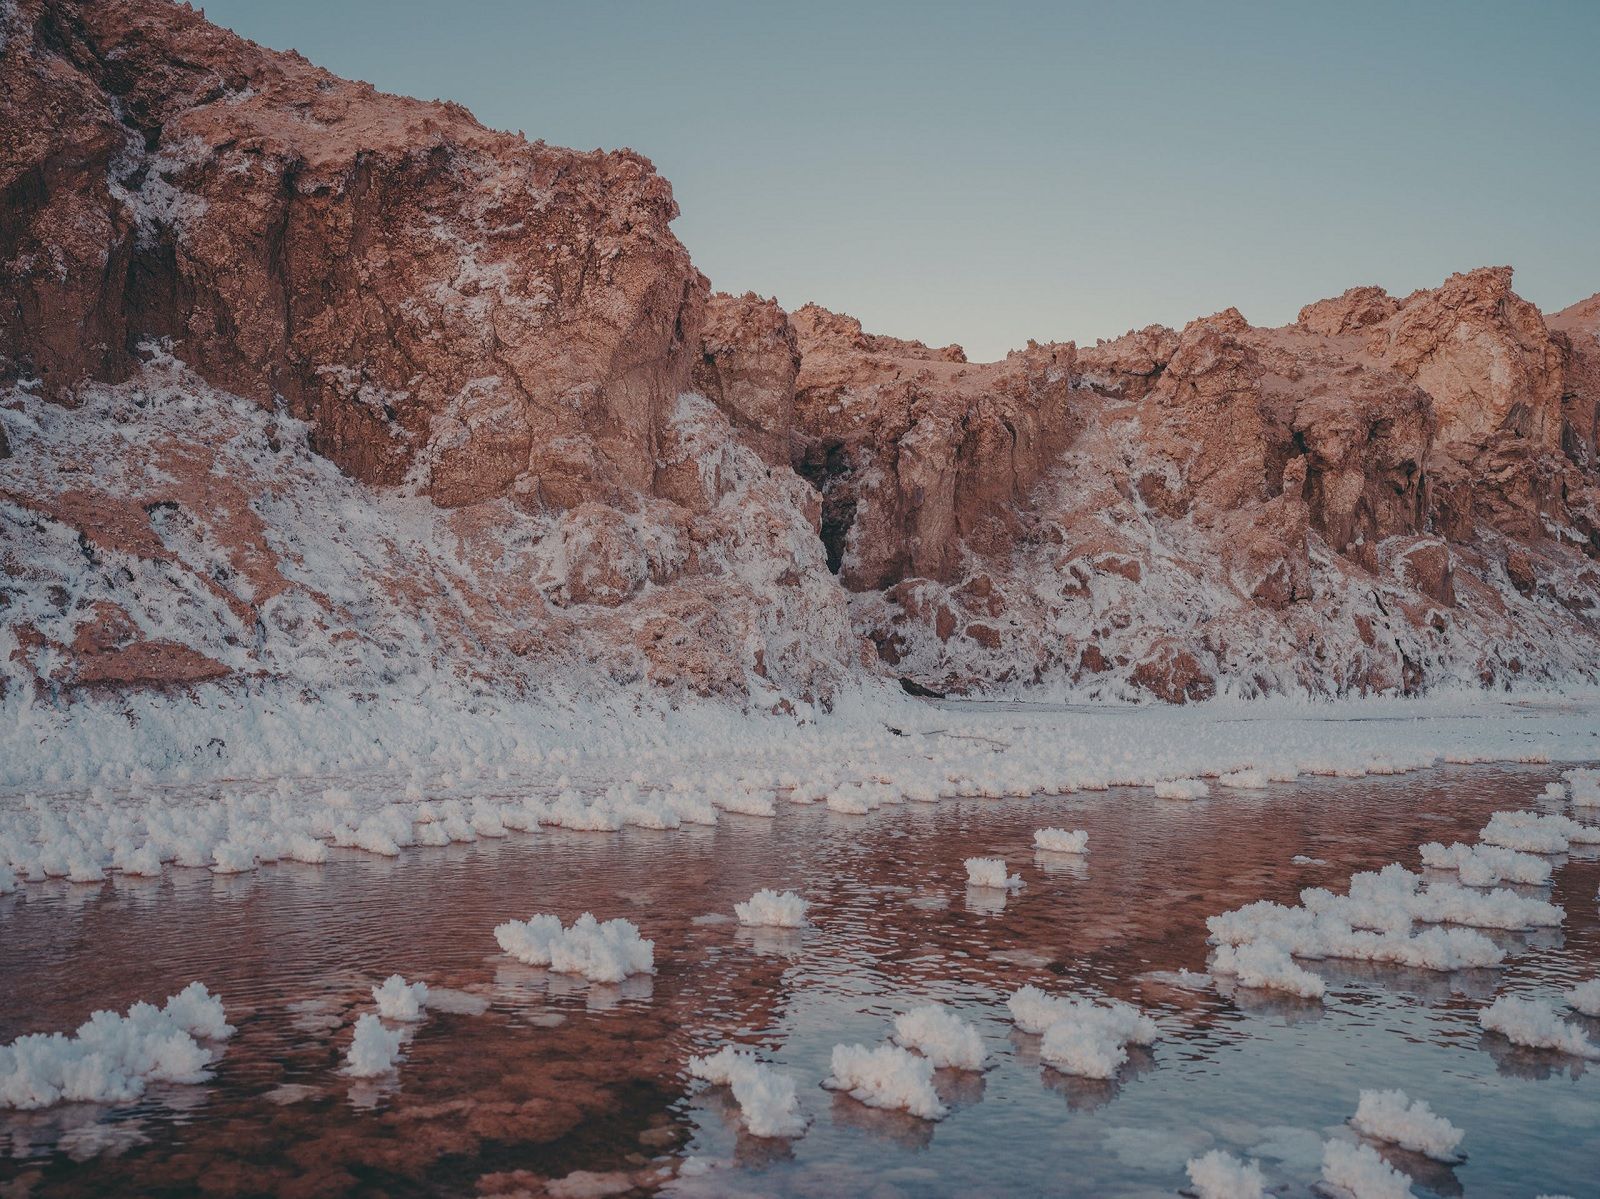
(989, 173)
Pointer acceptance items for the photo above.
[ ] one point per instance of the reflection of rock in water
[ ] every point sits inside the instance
(602, 997)
(960, 1088)
(898, 1128)
(1536, 1065)
(777, 942)
(986, 901)
(1062, 865)
(1262, 1001)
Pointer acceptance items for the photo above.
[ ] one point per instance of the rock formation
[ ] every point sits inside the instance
(307, 386)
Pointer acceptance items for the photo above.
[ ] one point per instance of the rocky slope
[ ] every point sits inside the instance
(303, 386)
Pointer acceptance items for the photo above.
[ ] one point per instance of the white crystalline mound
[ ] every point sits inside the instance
(887, 1077)
(1328, 933)
(1486, 865)
(1182, 789)
(991, 872)
(1537, 832)
(1358, 1171)
(1059, 840)
(1585, 786)
(602, 953)
(1536, 1025)
(1220, 1175)
(941, 1036)
(1262, 965)
(1081, 1036)
(765, 1095)
(772, 909)
(1585, 997)
(374, 1051)
(111, 1058)
(1395, 1117)
(399, 1000)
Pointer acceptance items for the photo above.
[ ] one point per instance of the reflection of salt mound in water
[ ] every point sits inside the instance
(766, 1096)
(399, 1000)
(1081, 1036)
(986, 901)
(770, 909)
(1260, 964)
(606, 952)
(886, 1077)
(374, 1051)
(111, 1058)
(941, 1036)
(1358, 1171)
(1057, 840)
(1220, 1175)
(1534, 1024)
(1395, 1117)
(991, 872)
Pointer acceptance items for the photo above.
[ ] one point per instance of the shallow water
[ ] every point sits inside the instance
(557, 1076)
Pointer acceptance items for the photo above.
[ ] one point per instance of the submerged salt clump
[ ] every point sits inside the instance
(1262, 965)
(399, 1000)
(887, 1077)
(111, 1058)
(1220, 1175)
(1395, 1117)
(1358, 1171)
(1536, 1025)
(1585, 997)
(1058, 840)
(1182, 789)
(1486, 865)
(941, 1036)
(772, 909)
(602, 953)
(374, 1051)
(1081, 1036)
(765, 1095)
(991, 872)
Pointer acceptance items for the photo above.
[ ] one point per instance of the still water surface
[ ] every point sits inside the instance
(530, 1077)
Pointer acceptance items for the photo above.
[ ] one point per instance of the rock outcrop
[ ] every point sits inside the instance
(306, 386)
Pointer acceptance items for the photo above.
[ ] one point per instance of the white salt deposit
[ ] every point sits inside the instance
(602, 953)
(1585, 997)
(1585, 784)
(1058, 840)
(1486, 865)
(886, 1077)
(1182, 789)
(1536, 832)
(1358, 1171)
(399, 1000)
(1263, 965)
(941, 1036)
(991, 872)
(1395, 1117)
(111, 1058)
(1081, 1035)
(1535, 1024)
(1220, 1175)
(374, 1051)
(765, 1095)
(772, 909)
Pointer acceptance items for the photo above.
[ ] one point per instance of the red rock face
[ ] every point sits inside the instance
(1387, 494)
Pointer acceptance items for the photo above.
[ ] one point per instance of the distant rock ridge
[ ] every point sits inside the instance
(1389, 494)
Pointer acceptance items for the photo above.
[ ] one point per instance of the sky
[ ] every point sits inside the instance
(987, 173)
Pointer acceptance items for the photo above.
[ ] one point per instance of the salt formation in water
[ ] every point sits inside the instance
(1535, 832)
(111, 1058)
(1395, 1117)
(1182, 789)
(1220, 1175)
(1081, 1036)
(1585, 787)
(1263, 965)
(1585, 997)
(941, 1036)
(1535, 1024)
(991, 872)
(772, 909)
(602, 953)
(1059, 840)
(399, 1000)
(1486, 865)
(1359, 1171)
(765, 1095)
(374, 1051)
(887, 1077)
